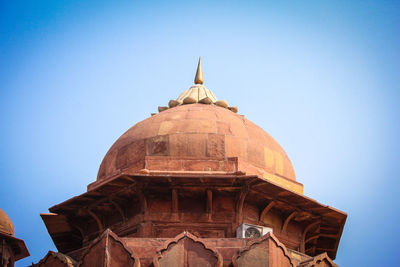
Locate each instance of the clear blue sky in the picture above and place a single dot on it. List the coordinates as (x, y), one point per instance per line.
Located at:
(322, 77)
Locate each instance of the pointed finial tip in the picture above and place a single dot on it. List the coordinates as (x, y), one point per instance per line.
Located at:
(199, 74)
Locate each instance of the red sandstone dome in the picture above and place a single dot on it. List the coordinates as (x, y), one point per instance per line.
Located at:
(6, 226)
(12, 248)
(193, 138)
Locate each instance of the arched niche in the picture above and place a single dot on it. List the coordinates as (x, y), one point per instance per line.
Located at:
(265, 251)
(187, 250)
(108, 250)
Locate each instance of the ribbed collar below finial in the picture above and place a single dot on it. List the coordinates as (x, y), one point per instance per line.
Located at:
(198, 93)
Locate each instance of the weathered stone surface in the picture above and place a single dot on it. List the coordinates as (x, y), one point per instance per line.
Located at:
(157, 146)
(197, 145)
(235, 147)
(197, 126)
(216, 146)
(168, 127)
(255, 154)
(130, 154)
(223, 128)
(269, 159)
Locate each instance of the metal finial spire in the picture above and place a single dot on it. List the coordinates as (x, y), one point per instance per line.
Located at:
(199, 74)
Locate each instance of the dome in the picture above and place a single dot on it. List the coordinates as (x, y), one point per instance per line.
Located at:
(190, 138)
(6, 226)
(198, 133)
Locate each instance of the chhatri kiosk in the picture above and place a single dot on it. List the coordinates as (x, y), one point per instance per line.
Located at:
(12, 249)
(196, 184)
